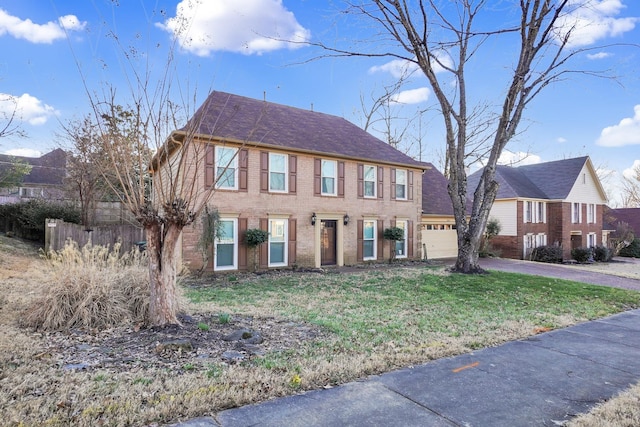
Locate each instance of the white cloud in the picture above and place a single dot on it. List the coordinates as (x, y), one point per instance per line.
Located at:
(630, 173)
(411, 96)
(248, 26)
(594, 20)
(627, 132)
(399, 68)
(599, 55)
(561, 140)
(27, 108)
(23, 152)
(518, 158)
(38, 33)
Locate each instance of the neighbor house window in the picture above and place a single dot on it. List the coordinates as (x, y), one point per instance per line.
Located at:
(329, 177)
(401, 184)
(278, 172)
(528, 211)
(226, 245)
(591, 213)
(369, 240)
(370, 180)
(278, 242)
(576, 213)
(401, 245)
(541, 212)
(591, 240)
(226, 168)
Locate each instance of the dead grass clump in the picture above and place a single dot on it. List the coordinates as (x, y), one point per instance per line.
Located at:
(621, 411)
(91, 287)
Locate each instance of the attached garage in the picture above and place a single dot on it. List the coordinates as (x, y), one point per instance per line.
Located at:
(439, 240)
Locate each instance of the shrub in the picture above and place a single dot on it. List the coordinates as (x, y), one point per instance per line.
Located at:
(582, 254)
(633, 250)
(602, 254)
(552, 254)
(394, 234)
(255, 237)
(91, 287)
(27, 219)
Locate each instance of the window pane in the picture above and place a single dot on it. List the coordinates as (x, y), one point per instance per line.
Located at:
(369, 173)
(401, 177)
(368, 230)
(276, 181)
(328, 186)
(328, 168)
(277, 162)
(224, 254)
(226, 177)
(226, 231)
(400, 192)
(367, 249)
(277, 253)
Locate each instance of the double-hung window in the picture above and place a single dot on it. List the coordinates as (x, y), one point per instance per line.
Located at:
(591, 213)
(369, 240)
(226, 245)
(370, 180)
(226, 168)
(401, 245)
(278, 172)
(329, 177)
(541, 212)
(278, 242)
(528, 211)
(401, 184)
(576, 213)
(591, 240)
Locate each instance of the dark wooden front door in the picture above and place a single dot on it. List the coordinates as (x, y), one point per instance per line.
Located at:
(328, 242)
(576, 241)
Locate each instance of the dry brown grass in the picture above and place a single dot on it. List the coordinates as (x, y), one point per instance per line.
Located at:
(92, 287)
(37, 389)
(621, 411)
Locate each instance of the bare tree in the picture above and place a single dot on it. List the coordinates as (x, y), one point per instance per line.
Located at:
(9, 125)
(436, 36)
(13, 172)
(631, 189)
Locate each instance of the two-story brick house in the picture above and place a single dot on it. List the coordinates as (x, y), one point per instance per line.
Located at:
(323, 188)
(553, 203)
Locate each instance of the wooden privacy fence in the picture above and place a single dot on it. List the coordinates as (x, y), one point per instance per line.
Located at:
(57, 232)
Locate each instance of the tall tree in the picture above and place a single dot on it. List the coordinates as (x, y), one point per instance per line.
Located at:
(631, 189)
(437, 36)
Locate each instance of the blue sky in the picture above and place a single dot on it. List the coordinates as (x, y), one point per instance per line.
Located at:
(49, 47)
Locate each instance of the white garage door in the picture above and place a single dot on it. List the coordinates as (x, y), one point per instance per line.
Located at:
(440, 243)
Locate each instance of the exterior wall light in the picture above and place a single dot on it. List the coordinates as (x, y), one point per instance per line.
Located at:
(313, 218)
(346, 219)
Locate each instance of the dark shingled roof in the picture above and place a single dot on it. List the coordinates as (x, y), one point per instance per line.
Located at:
(612, 217)
(549, 180)
(49, 169)
(233, 117)
(435, 197)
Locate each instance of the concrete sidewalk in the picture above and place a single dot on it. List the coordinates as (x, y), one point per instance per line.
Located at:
(540, 381)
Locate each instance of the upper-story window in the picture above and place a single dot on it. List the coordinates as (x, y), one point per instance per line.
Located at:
(576, 213)
(401, 184)
(370, 181)
(534, 212)
(541, 211)
(528, 211)
(278, 172)
(226, 168)
(591, 213)
(329, 177)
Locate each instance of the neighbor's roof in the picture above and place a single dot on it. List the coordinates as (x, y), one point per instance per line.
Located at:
(49, 169)
(631, 216)
(241, 119)
(550, 180)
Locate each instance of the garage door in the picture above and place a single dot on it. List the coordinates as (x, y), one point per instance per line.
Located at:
(440, 243)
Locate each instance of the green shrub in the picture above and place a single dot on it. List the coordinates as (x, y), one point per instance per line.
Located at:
(582, 254)
(27, 219)
(602, 254)
(255, 237)
(631, 251)
(552, 254)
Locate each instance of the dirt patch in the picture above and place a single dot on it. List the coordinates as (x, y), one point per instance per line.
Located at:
(200, 339)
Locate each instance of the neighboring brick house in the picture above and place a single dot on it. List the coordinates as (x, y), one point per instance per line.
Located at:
(323, 188)
(553, 203)
(613, 217)
(44, 181)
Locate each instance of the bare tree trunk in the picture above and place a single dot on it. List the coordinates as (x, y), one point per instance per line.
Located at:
(161, 247)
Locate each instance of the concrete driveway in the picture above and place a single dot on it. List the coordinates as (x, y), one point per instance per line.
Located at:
(606, 276)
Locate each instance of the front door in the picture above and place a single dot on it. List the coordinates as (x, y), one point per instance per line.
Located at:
(328, 242)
